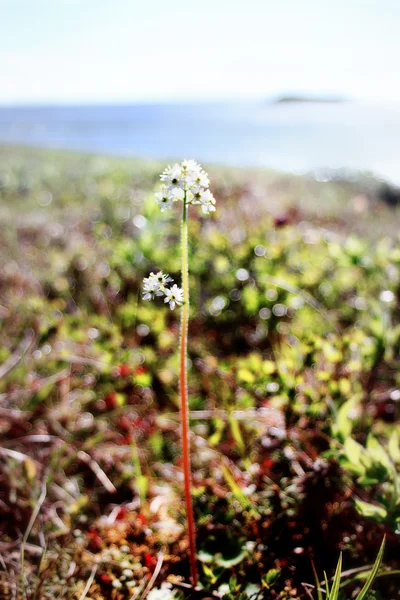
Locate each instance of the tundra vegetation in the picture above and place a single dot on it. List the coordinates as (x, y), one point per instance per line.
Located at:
(293, 380)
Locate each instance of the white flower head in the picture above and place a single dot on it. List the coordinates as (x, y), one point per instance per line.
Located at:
(185, 181)
(154, 285)
(173, 296)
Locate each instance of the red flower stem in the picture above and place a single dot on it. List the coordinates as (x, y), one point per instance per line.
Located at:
(184, 395)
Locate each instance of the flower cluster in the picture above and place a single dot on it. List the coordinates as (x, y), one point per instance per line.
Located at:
(185, 180)
(156, 285)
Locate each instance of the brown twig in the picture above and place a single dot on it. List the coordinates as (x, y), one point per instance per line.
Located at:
(98, 471)
(154, 575)
(81, 360)
(89, 583)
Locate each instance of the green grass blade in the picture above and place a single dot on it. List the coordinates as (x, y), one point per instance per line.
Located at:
(328, 593)
(363, 576)
(39, 571)
(334, 595)
(237, 434)
(235, 488)
(373, 572)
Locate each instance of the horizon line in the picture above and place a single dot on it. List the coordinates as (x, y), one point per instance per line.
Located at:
(274, 98)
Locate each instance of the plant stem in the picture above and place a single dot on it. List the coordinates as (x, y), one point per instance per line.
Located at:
(184, 395)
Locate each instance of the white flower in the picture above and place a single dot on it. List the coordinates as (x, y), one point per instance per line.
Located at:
(190, 165)
(166, 197)
(194, 175)
(148, 294)
(174, 296)
(206, 199)
(172, 177)
(200, 180)
(149, 289)
(154, 285)
(163, 593)
(186, 180)
(207, 208)
(162, 279)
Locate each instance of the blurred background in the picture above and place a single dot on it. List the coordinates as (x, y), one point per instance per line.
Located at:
(296, 86)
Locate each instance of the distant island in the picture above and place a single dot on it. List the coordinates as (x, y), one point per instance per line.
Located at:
(319, 99)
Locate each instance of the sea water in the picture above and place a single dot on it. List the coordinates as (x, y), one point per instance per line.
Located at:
(290, 136)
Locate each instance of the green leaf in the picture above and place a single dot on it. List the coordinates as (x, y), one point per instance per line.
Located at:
(344, 425)
(353, 452)
(373, 573)
(270, 578)
(233, 583)
(209, 573)
(244, 375)
(250, 299)
(367, 481)
(332, 354)
(371, 511)
(378, 454)
(227, 563)
(394, 447)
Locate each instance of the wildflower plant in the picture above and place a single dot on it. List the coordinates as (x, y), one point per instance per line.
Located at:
(185, 183)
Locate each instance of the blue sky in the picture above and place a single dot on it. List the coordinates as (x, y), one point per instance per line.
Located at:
(62, 51)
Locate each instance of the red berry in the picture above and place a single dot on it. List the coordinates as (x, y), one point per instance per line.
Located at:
(282, 562)
(111, 401)
(268, 463)
(125, 440)
(122, 512)
(140, 370)
(142, 519)
(124, 370)
(95, 541)
(149, 561)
